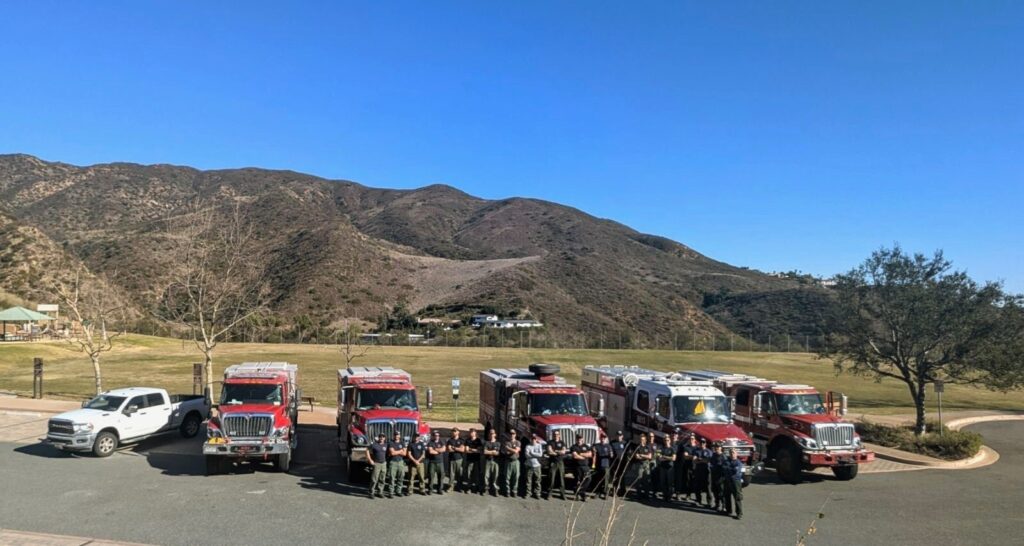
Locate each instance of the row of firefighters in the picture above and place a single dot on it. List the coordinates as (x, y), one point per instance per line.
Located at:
(674, 469)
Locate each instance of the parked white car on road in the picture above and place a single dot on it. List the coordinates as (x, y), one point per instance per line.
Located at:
(124, 416)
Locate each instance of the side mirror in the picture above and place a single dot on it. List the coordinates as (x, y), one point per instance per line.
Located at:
(843, 404)
(131, 409)
(512, 406)
(600, 407)
(732, 405)
(757, 406)
(85, 403)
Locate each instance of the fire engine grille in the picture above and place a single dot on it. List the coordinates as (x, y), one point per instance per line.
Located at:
(407, 429)
(569, 434)
(61, 427)
(834, 435)
(247, 426)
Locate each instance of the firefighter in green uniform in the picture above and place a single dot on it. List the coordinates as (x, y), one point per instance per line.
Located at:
(435, 464)
(456, 447)
(379, 460)
(716, 464)
(666, 455)
(491, 452)
(416, 454)
(396, 465)
(472, 475)
(510, 458)
(556, 463)
(732, 481)
(534, 453)
(643, 461)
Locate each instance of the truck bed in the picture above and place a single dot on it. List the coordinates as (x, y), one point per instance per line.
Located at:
(177, 398)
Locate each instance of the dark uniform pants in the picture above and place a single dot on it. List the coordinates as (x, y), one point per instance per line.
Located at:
(490, 476)
(557, 472)
(456, 474)
(396, 472)
(512, 477)
(605, 481)
(733, 493)
(533, 479)
(699, 483)
(716, 487)
(472, 476)
(644, 477)
(582, 475)
(378, 478)
(435, 476)
(683, 475)
(665, 480)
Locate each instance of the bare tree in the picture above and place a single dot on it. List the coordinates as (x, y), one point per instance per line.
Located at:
(94, 305)
(349, 352)
(214, 280)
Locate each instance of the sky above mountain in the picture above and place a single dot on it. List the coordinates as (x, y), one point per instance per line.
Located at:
(778, 136)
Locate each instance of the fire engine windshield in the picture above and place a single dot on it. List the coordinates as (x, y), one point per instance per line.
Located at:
(235, 394)
(386, 398)
(557, 404)
(799, 404)
(700, 409)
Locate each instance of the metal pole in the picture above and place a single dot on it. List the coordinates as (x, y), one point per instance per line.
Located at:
(940, 411)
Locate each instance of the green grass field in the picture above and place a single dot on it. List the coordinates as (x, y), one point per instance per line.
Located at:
(143, 360)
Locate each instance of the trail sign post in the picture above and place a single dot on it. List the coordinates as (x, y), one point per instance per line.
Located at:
(455, 396)
(197, 377)
(37, 378)
(940, 386)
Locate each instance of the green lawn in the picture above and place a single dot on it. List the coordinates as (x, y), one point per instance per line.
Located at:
(144, 360)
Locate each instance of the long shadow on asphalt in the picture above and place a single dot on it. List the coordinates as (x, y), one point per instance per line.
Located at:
(42, 450)
(769, 477)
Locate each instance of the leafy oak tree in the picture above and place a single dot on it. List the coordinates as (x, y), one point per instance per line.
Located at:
(916, 320)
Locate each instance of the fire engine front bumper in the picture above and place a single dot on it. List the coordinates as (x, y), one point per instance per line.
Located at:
(246, 450)
(815, 459)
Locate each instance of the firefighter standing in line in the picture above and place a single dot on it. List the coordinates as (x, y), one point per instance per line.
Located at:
(534, 452)
(701, 473)
(732, 481)
(473, 476)
(643, 460)
(491, 452)
(379, 460)
(416, 453)
(619, 460)
(456, 448)
(717, 461)
(435, 464)
(396, 465)
(684, 472)
(556, 458)
(666, 458)
(510, 459)
(582, 456)
(604, 455)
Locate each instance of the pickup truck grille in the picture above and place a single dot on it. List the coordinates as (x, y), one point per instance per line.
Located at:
(569, 434)
(61, 427)
(247, 426)
(407, 429)
(834, 435)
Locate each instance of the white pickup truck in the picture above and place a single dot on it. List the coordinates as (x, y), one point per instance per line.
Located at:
(124, 416)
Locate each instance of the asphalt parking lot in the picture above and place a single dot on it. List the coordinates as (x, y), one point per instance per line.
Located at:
(156, 493)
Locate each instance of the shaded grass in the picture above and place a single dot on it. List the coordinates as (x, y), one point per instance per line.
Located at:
(145, 360)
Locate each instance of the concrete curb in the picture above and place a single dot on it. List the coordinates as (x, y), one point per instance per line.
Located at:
(984, 457)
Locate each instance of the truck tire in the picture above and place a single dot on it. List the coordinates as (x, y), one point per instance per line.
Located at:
(283, 461)
(544, 369)
(214, 465)
(105, 444)
(787, 464)
(746, 480)
(190, 426)
(845, 473)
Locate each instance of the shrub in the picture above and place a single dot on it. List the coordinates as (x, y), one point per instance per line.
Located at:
(949, 445)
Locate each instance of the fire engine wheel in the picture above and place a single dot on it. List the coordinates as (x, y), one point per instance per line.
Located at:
(845, 473)
(214, 465)
(105, 445)
(787, 464)
(190, 426)
(283, 462)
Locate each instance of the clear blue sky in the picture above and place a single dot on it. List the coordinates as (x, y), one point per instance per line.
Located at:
(772, 135)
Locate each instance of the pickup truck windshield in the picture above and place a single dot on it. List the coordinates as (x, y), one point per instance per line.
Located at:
(386, 398)
(557, 404)
(234, 394)
(105, 403)
(700, 409)
(799, 404)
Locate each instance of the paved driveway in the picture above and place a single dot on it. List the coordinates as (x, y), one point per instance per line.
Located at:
(156, 493)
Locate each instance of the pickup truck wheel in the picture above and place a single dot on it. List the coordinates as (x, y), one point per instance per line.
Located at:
(283, 462)
(845, 473)
(105, 445)
(190, 426)
(214, 465)
(787, 464)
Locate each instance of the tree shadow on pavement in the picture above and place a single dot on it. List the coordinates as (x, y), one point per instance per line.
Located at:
(769, 477)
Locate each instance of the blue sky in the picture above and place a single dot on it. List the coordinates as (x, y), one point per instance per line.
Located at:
(767, 134)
